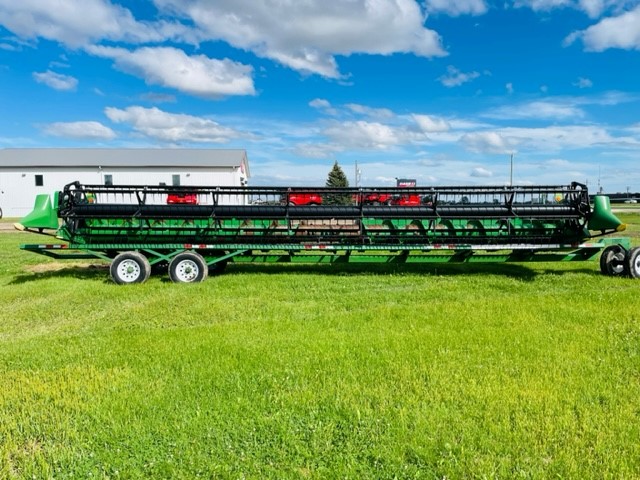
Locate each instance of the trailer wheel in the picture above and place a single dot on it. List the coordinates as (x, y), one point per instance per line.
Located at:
(633, 262)
(612, 261)
(130, 267)
(188, 267)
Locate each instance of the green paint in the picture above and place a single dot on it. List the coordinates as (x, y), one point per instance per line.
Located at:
(44, 214)
(602, 218)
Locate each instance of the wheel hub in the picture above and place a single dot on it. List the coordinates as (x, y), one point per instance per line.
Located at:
(129, 271)
(187, 271)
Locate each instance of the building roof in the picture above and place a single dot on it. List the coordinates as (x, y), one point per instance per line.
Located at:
(123, 157)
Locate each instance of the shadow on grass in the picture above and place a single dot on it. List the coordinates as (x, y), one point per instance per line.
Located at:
(510, 270)
(92, 272)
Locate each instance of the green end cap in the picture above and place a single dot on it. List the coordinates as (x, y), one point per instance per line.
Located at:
(44, 214)
(602, 218)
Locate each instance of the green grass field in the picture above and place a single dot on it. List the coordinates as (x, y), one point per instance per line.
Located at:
(321, 371)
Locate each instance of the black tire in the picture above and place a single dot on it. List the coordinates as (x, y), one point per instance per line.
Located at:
(188, 267)
(130, 267)
(0, 213)
(633, 262)
(612, 261)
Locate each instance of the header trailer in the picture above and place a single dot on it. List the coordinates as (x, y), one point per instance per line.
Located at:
(155, 225)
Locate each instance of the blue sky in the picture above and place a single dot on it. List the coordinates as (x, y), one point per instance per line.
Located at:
(444, 91)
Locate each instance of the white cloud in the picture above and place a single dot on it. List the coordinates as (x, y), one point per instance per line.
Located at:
(169, 67)
(635, 128)
(455, 78)
(154, 97)
(611, 98)
(464, 124)
(363, 135)
(430, 124)
(56, 81)
(80, 130)
(481, 172)
(593, 8)
(557, 163)
(56, 64)
(540, 109)
(369, 111)
(350, 109)
(316, 150)
(405, 132)
(457, 7)
(366, 135)
(545, 139)
(543, 5)
(583, 83)
(320, 103)
(315, 31)
(622, 31)
(77, 23)
(509, 87)
(171, 127)
(487, 142)
(324, 106)
(563, 108)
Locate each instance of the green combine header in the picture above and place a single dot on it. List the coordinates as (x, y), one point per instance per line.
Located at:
(189, 231)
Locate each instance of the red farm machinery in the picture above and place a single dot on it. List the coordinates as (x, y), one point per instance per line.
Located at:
(139, 232)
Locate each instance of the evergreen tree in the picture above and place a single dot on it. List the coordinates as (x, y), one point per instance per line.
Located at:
(337, 179)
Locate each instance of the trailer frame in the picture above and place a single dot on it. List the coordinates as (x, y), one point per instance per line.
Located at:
(216, 256)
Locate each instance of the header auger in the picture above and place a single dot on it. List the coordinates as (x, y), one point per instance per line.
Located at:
(195, 229)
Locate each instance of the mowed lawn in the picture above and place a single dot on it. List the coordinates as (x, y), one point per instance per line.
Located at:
(320, 371)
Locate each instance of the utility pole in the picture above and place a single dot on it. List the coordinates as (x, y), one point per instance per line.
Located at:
(357, 174)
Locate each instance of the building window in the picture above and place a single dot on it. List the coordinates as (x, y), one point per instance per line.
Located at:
(108, 179)
(175, 180)
(39, 180)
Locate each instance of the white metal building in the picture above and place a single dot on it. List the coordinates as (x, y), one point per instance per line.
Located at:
(26, 172)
